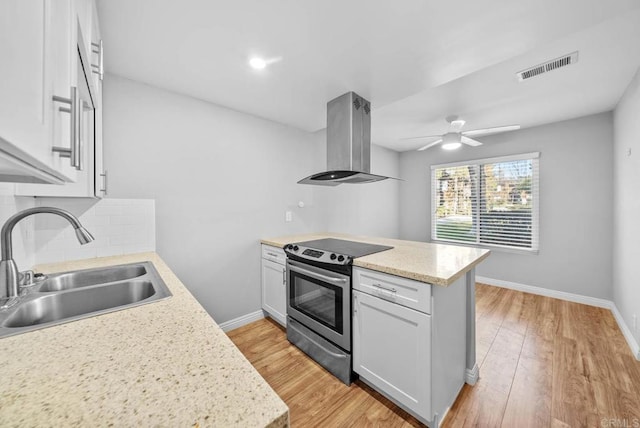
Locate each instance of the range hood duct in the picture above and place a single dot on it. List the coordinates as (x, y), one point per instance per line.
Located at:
(348, 143)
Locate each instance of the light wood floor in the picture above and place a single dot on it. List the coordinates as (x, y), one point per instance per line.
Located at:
(543, 362)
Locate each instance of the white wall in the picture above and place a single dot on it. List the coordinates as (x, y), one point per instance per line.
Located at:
(626, 190)
(575, 207)
(221, 180)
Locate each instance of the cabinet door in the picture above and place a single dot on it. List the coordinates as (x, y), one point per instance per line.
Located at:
(97, 71)
(24, 119)
(85, 185)
(392, 351)
(274, 287)
(34, 46)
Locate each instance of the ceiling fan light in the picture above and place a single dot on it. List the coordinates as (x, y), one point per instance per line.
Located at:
(451, 146)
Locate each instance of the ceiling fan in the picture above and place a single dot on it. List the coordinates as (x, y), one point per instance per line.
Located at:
(455, 137)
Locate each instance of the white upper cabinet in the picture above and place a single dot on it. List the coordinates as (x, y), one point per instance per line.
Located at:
(35, 37)
(76, 117)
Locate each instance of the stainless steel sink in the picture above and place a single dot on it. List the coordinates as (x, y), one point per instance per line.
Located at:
(85, 278)
(71, 296)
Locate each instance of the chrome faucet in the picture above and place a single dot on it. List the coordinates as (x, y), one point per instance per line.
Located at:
(9, 275)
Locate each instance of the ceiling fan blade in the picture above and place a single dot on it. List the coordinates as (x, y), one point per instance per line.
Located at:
(489, 131)
(430, 145)
(470, 141)
(456, 125)
(422, 137)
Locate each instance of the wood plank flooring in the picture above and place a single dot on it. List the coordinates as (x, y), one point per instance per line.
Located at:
(543, 363)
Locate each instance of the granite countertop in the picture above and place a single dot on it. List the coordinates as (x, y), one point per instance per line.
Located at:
(438, 264)
(162, 364)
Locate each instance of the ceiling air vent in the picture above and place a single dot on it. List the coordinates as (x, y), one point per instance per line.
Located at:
(548, 66)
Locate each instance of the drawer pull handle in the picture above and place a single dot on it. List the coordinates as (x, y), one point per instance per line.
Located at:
(391, 290)
(386, 293)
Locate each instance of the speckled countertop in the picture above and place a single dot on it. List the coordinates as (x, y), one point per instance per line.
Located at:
(422, 261)
(162, 364)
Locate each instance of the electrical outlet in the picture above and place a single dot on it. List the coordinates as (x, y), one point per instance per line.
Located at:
(288, 216)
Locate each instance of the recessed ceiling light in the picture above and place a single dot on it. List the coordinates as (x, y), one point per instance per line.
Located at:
(257, 63)
(451, 146)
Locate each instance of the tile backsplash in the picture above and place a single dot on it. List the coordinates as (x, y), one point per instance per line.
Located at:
(23, 236)
(119, 226)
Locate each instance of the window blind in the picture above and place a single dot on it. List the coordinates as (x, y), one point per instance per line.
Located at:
(488, 202)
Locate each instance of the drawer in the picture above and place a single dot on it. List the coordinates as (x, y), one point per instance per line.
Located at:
(274, 254)
(402, 291)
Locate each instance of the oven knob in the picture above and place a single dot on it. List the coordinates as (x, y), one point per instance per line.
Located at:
(333, 256)
(340, 258)
(295, 248)
(289, 247)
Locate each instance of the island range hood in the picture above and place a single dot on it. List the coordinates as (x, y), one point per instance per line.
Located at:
(348, 143)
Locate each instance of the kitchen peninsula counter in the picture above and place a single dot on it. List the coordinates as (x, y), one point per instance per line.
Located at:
(437, 264)
(166, 363)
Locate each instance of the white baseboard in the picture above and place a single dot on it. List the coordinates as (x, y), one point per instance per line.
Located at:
(240, 321)
(626, 332)
(471, 376)
(532, 289)
(577, 298)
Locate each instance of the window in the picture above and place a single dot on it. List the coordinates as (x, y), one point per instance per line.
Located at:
(488, 202)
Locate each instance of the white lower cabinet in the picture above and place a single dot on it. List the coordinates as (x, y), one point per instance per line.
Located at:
(409, 341)
(274, 283)
(392, 350)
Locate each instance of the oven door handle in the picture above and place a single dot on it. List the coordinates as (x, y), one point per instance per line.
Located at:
(297, 268)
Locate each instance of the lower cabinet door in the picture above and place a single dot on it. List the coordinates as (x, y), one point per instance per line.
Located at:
(392, 351)
(274, 287)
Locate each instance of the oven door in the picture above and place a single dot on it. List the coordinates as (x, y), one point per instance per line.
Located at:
(321, 300)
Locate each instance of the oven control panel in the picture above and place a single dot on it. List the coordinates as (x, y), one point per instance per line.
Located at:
(318, 255)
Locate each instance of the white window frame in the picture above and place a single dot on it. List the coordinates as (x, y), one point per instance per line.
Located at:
(535, 211)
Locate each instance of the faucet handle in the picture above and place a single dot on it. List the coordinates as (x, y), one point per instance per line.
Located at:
(25, 278)
(27, 281)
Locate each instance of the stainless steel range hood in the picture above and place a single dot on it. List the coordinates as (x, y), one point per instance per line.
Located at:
(348, 143)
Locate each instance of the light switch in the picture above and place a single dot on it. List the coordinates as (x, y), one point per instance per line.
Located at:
(288, 216)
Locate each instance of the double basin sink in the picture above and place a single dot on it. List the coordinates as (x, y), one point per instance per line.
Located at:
(70, 296)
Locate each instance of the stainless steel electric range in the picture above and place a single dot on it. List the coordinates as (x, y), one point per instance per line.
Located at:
(319, 300)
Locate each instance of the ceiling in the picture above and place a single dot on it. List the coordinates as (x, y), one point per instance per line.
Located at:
(417, 61)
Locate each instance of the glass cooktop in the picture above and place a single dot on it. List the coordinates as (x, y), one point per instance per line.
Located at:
(348, 248)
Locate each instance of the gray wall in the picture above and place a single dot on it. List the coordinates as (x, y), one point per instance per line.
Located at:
(364, 209)
(575, 203)
(626, 189)
(222, 180)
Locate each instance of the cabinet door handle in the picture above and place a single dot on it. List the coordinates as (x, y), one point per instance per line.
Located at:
(74, 110)
(104, 182)
(80, 137)
(284, 276)
(98, 68)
